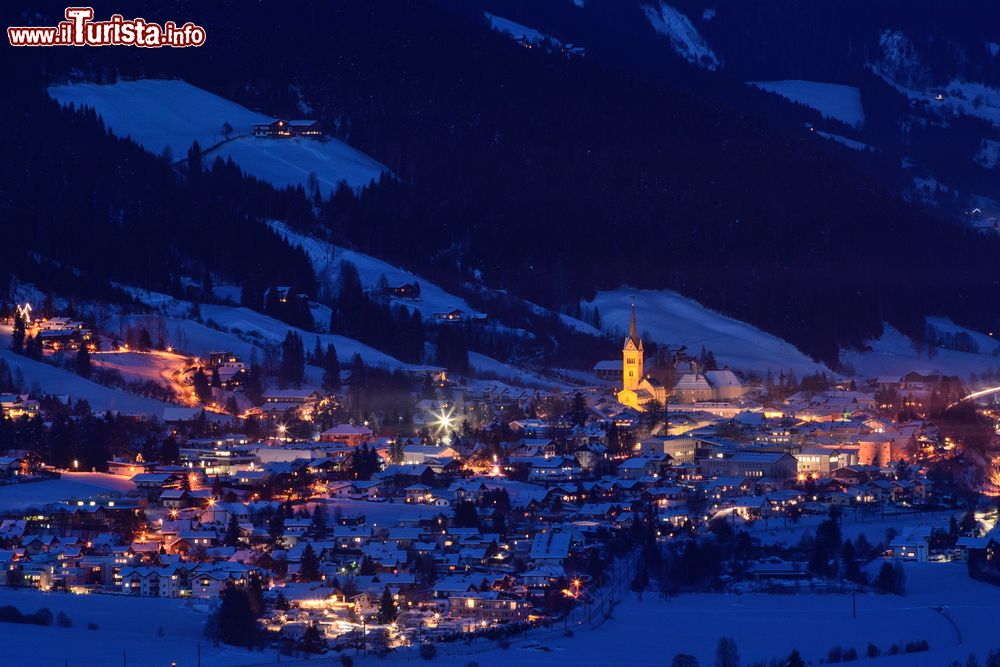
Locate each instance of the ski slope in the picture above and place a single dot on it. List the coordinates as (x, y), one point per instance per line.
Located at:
(833, 100)
(164, 114)
(326, 259)
(671, 319)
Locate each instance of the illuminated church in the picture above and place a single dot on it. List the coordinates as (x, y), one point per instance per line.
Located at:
(639, 390)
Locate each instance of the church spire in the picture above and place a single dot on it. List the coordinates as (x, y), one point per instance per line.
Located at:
(633, 334)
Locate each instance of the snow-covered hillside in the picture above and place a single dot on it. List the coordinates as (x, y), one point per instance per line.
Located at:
(895, 354)
(492, 368)
(326, 259)
(519, 32)
(853, 144)
(267, 329)
(70, 485)
(161, 114)
(60, 382)
(684, 38)
(671, 319)
(241, 330)
(833, 100)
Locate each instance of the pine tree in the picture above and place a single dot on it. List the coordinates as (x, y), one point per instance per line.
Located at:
(331, 369)
(17, 336)
(309, 566)
(236, 623)
(396, 454)
(726, 654)
(292, 369)
(386, 608)
(83, 362)
(319, 521)
(202, 388)
(312, 640)
(232, 537)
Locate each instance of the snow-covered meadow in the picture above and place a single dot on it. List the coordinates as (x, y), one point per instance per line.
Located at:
(833, 100)
(170, 114)
(60, 382)
(671, 319)
(69, 485)
(326, 259)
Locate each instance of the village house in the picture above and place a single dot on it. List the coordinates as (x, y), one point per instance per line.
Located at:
(281, 128)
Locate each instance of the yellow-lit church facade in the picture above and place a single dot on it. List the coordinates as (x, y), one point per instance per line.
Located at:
(638, 390)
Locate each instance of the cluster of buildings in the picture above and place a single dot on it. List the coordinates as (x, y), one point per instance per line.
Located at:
(509, 525)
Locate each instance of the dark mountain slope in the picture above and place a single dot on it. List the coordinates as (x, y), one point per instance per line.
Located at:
(556, 176)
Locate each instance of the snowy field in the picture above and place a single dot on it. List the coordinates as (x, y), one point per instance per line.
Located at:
(520, 377)
(518, 31)
(326, 259)
(70, 485)
(684, 38)
(241, 330)
(158, 367)
(250, 323)
(160, 114)
(953, 613)
(833, 100)
(674, 320)
(127, 633)
(284, 162)
(853, 144)
(894, 354)
(195, 338)
(61, 382)
(642, 632)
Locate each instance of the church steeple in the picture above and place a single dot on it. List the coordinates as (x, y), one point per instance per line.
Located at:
(633, 335)
(632, 357)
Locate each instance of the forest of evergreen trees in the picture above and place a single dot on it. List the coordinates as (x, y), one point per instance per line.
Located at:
(550, 177)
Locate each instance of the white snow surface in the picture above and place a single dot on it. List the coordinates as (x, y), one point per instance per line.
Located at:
(241, 330)
(127, 632)
(894, 354)
(60, 382)
(853, 144)
(833, 100)
(671, 319)
(257, 326)
(518, 376)
(684, 38)
(72, 485)
(521, 33)
(162, 113)
(326, 259)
